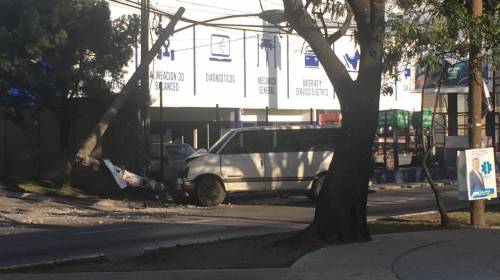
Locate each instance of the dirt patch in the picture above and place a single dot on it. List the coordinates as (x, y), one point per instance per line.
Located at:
(41, 187)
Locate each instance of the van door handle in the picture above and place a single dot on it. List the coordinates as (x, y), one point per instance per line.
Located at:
(261, 163)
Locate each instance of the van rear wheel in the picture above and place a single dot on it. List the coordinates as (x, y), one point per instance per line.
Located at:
(210, 192)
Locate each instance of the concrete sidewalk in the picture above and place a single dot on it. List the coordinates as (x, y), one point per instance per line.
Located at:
(447, 254)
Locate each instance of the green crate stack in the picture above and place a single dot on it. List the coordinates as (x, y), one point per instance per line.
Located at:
(395, 119)
(416, 119)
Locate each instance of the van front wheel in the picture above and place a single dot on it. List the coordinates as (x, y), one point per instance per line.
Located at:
(210, 192)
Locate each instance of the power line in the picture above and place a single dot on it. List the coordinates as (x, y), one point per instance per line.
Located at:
(242, 27)
(198, 10)
(132, 4)
(211, 6)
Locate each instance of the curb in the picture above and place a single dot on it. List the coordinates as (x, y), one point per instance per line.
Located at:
(69, 260)
(408, 185)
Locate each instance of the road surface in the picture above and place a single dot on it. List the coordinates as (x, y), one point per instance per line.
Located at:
(62, 230)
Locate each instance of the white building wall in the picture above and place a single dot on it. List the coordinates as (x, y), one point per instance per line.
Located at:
(203, 66)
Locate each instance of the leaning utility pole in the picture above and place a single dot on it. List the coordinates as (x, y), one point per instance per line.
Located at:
(84, 156)
(477, 215)
(143, 110)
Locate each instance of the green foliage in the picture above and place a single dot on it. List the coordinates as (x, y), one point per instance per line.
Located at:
(437, 32)
(55, 50)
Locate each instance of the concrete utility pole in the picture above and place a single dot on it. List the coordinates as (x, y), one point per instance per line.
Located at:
(143, 112)
(477, 216)
(84, 156)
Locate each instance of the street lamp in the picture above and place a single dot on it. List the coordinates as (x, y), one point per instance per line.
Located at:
(275, 16)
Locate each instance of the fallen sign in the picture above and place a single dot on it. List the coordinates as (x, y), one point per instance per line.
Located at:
(124, 178)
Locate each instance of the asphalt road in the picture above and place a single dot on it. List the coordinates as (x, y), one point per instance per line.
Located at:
(242, 215)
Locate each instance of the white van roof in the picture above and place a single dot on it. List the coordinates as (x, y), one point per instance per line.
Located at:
(284, 127)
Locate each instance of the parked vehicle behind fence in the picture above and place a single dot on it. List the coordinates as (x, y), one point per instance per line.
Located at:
(173, 161)
(284, 158)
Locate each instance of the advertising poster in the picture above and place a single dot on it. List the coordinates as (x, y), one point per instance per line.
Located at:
(479, 172)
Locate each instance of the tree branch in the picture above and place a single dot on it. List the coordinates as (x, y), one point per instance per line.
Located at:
(308, 2)
(343, 29)
(305, 26)
(370, 22)
(321, 15)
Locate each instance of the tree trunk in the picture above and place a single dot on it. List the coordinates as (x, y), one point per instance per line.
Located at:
(341, 207)
(443, 213)
(477, 215)
(67, 154)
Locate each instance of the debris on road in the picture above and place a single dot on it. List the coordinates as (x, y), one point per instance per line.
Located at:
(124, 178)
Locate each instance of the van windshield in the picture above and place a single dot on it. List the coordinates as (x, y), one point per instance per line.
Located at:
(218, 145)
(172, 151)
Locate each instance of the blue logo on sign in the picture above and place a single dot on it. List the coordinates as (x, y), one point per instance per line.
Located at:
(165, 52)
(352, 60)
(268, 44)
(486, 167)
(310, 59)
(407, 73)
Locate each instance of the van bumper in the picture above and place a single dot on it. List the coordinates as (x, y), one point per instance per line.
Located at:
(184, 185)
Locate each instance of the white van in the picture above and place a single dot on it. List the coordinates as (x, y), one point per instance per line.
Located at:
(283, 158)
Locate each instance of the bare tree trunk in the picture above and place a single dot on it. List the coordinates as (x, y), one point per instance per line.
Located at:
(341, 207)
(83, 155)
(477, 216)
(443, 214)
(67, 154)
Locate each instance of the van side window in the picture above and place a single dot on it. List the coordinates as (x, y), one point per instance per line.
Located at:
(303, 140)
(248, 142)
(320, 140)
(287, 141)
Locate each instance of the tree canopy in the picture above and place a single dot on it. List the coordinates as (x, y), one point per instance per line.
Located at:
(436, 33)
(55, 50)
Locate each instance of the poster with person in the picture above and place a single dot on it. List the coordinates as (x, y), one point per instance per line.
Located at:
(479, 174)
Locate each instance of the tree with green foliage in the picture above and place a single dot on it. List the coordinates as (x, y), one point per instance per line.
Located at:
(426, 30)
(439, 34)
(56, 51)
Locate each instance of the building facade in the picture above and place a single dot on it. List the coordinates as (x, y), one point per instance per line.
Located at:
(241, 71)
